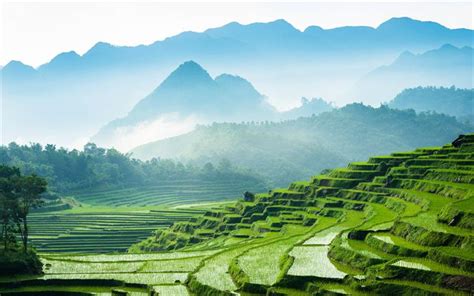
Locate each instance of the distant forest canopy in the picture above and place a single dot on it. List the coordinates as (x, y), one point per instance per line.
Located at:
(448, 100)
(297, 149)
(261, 152)
(95, 167)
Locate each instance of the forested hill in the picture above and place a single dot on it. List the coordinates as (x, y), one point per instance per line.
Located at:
(452, 101)
(300, 148)
(95, 168)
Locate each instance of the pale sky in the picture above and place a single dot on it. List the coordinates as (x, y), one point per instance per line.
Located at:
(34, 32)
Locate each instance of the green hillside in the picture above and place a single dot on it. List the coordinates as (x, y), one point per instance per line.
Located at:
(402, 221)
(452, 101)
(297, 149)
(399, 224)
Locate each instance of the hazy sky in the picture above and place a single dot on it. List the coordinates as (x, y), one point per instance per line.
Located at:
(34, 32)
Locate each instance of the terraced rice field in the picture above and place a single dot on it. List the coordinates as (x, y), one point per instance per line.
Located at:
(313, 261)
(100, 274)
(100, 230)
(169, 193)
(113, 220)
(388, 213)
(400, 224)
(265, 270)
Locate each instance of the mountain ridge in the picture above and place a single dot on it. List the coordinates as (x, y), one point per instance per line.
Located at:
(113, 79)
(189, 91)
(231, 27)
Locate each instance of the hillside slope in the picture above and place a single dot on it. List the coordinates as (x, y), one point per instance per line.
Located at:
(297, 149)
(452, 101)
(399, 224)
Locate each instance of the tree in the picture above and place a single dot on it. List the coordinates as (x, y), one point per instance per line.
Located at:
(28, 190)
(8, 175)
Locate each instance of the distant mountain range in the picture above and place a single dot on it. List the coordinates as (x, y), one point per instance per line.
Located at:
(81, 93)
(300, 148)
(445, 66)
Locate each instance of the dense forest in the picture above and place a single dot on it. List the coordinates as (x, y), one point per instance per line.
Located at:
(94, 167)
(297, 149)
(452, 101)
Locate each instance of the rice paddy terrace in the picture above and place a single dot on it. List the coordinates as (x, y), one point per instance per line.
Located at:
(113, 220)
(400, 224)
(100, 230)
(168, 193)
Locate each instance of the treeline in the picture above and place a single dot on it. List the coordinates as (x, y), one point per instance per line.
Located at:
(93, 167)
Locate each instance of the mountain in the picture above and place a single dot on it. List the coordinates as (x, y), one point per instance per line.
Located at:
(445, 66)
(299, 148)
(188, 96)
(452, 101)
(84, 92)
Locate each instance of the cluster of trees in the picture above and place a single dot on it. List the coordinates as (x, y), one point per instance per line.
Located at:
(18, 195)
(94, 167)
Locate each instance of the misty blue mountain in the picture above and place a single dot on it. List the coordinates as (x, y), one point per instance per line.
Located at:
(275, 57)
(189, 92)
(445, 66)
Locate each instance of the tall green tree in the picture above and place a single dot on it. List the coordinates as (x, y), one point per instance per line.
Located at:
(28, 195)
(8, 177)
(18, 195)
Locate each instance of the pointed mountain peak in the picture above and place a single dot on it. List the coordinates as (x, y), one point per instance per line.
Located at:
(62, 60)
(99, 48)
(190, 68)
(188, 73)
